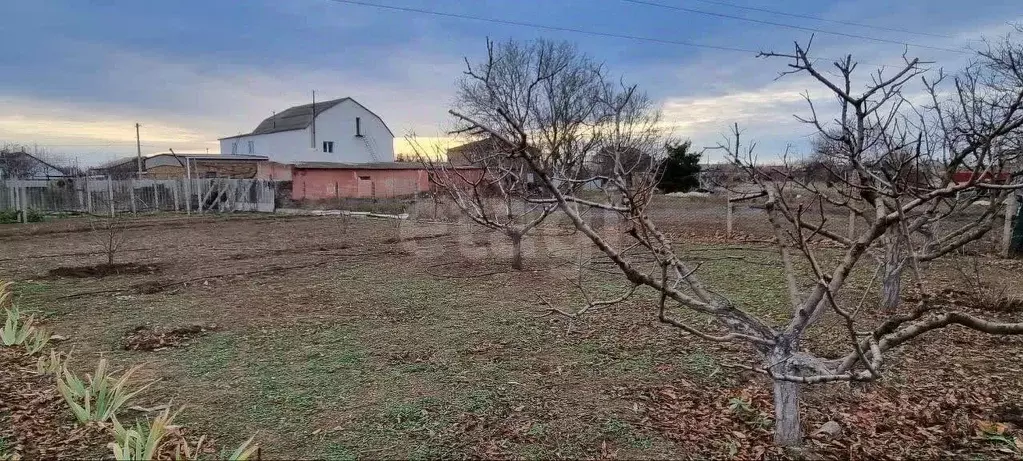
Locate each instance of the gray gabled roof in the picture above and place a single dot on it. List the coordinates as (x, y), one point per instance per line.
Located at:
(300, 117)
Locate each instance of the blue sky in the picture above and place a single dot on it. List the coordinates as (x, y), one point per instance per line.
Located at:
(76, 75)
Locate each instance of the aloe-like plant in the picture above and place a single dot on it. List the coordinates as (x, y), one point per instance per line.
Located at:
(16, 330)
(53, 363)
(36, 341)
(100, 395)
(244, 452)
(5, 292)
(184, 451)
(143, 441)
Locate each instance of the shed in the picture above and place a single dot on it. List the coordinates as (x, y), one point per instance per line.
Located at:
(326, 180)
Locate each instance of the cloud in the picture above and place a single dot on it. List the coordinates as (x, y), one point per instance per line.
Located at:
(192, 103)
(191, 99)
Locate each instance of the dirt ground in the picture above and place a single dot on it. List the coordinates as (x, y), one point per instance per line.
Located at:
(369, 339)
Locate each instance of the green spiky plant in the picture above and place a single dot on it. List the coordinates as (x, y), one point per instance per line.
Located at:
(36, 341)
(53, 363)
(244, 452)
(100, 395)
(17, 330)
(143, 441)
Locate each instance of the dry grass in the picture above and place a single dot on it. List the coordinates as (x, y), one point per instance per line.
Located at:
(349, 347)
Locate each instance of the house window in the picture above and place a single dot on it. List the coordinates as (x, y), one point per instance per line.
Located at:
(252, 147)
(358, 127)
(234, 147)
(328, 147)
(364, 178)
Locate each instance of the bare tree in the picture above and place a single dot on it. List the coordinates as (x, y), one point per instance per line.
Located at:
(491, 189)
(108, 233)
(21, 162)
(547, 97)
(891, 150)
(650, 261)
(15, 162)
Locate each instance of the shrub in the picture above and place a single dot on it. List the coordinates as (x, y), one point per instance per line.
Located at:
(11, 216)
(100, 395)
(34, 215)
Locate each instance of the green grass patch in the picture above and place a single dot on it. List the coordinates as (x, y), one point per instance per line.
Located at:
(623, 432)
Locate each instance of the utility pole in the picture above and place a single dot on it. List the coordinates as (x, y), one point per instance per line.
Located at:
(138, 148)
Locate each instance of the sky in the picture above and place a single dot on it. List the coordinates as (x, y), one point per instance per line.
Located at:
(75, 76)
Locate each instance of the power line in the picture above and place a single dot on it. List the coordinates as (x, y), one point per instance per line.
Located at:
(833, 21)
(790, 26)
(542, 26)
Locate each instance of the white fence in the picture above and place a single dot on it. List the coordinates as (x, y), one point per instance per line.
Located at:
(99, 195)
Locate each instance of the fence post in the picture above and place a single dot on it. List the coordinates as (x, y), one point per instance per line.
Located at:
(110, 195)
(17, 200)
(198, 190)
(177, 203)
(88, 196)
(24, 205)
(728, 218)
(80, 198)
(1010, 209)
(156, 195)
(131, 192)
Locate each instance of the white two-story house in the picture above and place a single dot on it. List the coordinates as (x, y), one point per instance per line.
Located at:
(340, 130)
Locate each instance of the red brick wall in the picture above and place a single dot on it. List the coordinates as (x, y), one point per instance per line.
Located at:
(311, 184)
(274, 171)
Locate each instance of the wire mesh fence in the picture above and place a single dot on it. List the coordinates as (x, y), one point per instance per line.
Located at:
(102, 195)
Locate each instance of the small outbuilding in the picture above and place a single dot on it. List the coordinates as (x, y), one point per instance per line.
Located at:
(177, 166)
(326, 180)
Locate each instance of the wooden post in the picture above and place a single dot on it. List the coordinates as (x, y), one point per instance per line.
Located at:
(131, 192)
(1010, 209)
(110, 195)
(728, 218)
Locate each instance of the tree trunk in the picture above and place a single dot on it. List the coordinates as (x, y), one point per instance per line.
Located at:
(891, 281)
(788, 431)
(516, 239)
(891, 288)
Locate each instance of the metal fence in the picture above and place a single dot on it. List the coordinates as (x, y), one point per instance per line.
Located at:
(102, 195)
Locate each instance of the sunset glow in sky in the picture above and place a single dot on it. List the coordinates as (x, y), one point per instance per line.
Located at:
(83, 73)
